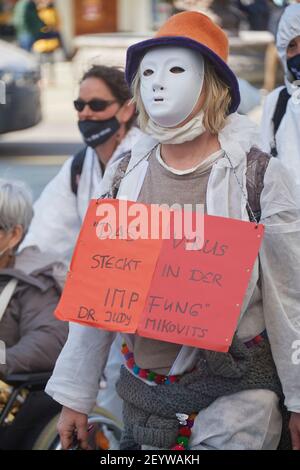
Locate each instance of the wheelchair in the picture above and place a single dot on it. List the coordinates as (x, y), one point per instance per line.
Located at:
(40, 433)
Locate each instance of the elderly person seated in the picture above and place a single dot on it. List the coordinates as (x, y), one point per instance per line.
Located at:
(29, 293)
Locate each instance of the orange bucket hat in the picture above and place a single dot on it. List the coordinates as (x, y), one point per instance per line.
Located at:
(196, 31)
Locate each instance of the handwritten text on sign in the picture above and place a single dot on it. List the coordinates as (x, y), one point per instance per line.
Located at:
(195, 297)
(159, 288)
(109, 279)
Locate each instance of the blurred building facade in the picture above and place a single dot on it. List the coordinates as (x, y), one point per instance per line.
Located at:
(108, 16)
(79, 17)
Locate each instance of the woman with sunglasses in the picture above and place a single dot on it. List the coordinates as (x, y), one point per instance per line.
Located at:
(106, 120)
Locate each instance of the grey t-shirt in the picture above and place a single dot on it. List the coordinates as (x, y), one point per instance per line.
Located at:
(164, 185)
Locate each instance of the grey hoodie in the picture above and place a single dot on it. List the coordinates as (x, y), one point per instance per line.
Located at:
(32, 335)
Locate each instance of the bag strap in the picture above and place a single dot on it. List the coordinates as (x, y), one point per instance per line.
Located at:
(6, 295)
(120, 173)
(280, 110)
(257, 164)
(76, 169)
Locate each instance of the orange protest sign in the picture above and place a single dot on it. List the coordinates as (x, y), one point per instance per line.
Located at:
(109, 278)
(195, 297)
(125, 277)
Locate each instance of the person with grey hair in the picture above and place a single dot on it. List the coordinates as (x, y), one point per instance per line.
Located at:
(15, 216)
(29, 293)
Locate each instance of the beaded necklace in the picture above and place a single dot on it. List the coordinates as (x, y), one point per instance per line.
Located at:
(186, 422)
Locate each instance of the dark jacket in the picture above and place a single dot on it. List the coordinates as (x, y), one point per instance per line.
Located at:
(26, 18)
(32, 335)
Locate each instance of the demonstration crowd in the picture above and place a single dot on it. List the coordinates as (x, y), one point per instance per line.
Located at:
(167, 131)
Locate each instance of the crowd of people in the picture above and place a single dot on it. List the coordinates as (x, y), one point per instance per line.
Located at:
(170, 121)
(256, 15)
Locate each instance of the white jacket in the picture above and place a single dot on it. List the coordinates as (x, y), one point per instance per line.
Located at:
(288, 134)
(58, 215)
(74, 382)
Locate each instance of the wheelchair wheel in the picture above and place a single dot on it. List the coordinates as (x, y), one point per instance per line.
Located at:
(48, 439)
(105, 435)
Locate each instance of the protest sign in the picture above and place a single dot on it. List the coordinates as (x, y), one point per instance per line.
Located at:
(109, 278)
(161, 288)
(195, 297)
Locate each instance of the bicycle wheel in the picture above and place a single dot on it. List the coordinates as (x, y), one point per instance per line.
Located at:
(105, 435)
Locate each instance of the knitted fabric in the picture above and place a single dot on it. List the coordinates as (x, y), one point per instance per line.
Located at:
(150, 411)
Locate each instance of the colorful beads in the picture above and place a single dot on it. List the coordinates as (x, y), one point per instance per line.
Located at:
(183, 441)
(185, 429)
(145, 373)
(172, 378)
(184, 433)
(125, 349)
(160, 379)
(130, 363)
(151, 376)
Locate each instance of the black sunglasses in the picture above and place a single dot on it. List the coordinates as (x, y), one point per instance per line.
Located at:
(95, 104)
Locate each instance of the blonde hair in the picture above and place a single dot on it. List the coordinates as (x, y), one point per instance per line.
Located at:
(215, 107)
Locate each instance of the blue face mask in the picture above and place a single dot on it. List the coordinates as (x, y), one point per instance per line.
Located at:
(294, 66)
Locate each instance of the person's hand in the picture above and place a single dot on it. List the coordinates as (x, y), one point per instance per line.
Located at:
(294, 427)
(72, 424)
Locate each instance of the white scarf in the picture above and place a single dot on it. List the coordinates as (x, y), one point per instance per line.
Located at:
(177, 135)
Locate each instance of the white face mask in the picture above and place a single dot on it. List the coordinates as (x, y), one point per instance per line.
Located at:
(171, 84)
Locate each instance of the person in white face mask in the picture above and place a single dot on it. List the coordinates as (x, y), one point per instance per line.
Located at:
(164, 71)
(199, 150)
(280, 124)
